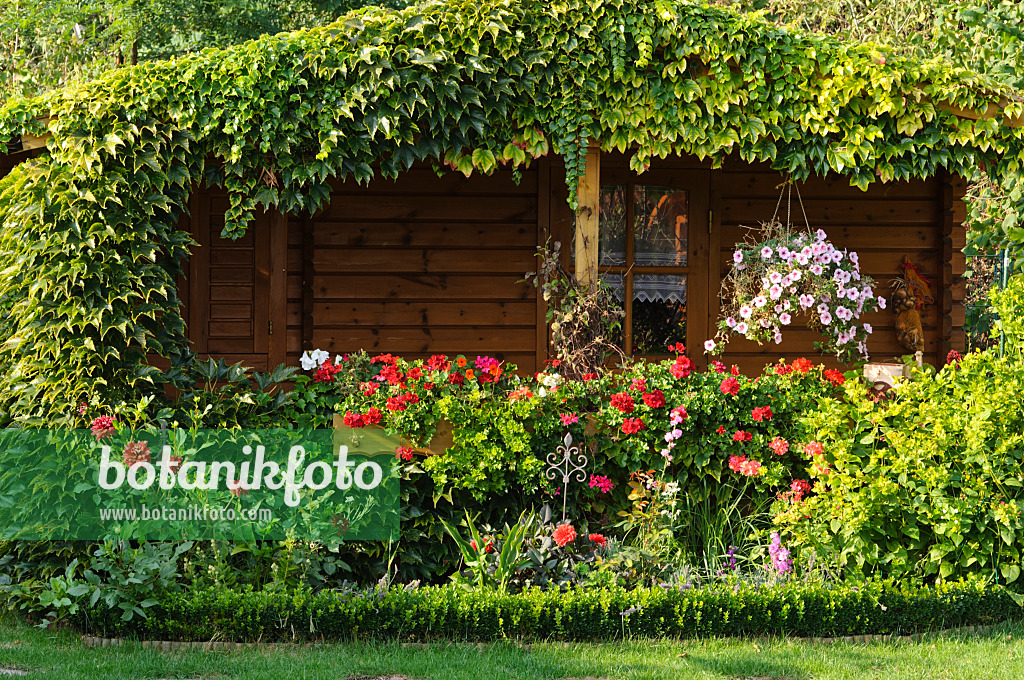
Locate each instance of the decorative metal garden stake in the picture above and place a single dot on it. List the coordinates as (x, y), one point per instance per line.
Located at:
(568, 461)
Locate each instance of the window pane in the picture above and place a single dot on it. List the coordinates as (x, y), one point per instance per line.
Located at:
(660, 231)
(659, 312)
(612, 225)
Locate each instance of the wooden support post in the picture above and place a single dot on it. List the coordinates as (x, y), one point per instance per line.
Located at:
(588, 197)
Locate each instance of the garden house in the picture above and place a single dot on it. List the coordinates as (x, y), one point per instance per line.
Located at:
(384, 183)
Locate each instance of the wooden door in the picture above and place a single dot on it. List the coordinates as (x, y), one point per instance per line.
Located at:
(237, 287)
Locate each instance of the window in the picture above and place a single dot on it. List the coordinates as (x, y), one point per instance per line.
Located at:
(653, 252)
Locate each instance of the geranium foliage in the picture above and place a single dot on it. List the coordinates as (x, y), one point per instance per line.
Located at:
(90, 228)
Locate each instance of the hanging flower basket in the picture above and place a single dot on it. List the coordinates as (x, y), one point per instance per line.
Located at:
(784, 274)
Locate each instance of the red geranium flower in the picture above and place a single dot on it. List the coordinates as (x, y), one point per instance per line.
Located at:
(762, 413)
(721, 429)
(638, 384)
(779, 445)
(457, 379)
(814, 448)
(598, 539)
(632, 425)
(730, 386)
(655, 399)
(396, 404)
(623, 402)
(834, 376)
(373, 416)
(403, 453)
(589, 376)
(742, 436)
(802, 365)
(681, 368)
(564, 533)
(353, 419)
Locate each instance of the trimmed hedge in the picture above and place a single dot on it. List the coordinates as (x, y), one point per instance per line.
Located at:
(449, 613)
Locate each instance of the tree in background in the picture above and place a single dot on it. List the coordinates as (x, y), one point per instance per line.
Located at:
(46, 44)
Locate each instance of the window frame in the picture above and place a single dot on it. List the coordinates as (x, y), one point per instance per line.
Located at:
(697, 185)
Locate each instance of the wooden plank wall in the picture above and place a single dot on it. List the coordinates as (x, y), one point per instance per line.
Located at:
(418, 266)
(882, 224)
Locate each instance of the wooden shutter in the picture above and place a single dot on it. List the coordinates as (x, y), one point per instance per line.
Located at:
(237, 287)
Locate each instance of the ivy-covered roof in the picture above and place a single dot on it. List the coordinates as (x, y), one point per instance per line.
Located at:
(465, 83)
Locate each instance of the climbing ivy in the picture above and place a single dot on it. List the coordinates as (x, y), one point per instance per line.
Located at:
(90, 229)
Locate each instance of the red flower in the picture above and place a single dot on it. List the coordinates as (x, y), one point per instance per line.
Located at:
(814, 448)
(396, 404)
(136, 453)
(748, 468)
(802, 365)
(718, 366)
(384, 359)
(638, 384)
(569, 419)
(457, 379)
(403, 453)
(655, 399)
(742, 436)
(373, 416)
(589, 376)
(721, 429)
(353, 419)
(730, 386)
(564, 533)
(438, 362)
(678, 348)
(598, 539)
(623, 402)
(103, 427)
(800, 487)
(681, 368)
(521, 393)
(762, 413)
(391, 374)
(414, 373)
(833, 376)
(779, 445)
(954, 357)
(369, 388)
(326, 372)
(488, 547)
(632, 425)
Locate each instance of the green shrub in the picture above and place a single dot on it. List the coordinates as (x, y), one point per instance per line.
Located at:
(451, 613)
(925, 484)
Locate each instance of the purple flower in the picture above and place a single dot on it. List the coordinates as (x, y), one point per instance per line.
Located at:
(781, 560)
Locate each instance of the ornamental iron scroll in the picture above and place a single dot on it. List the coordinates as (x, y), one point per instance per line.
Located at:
(569, 462)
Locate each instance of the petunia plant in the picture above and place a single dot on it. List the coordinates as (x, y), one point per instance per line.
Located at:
(785, 274)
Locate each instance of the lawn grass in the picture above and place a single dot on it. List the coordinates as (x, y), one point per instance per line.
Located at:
(998, 654)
